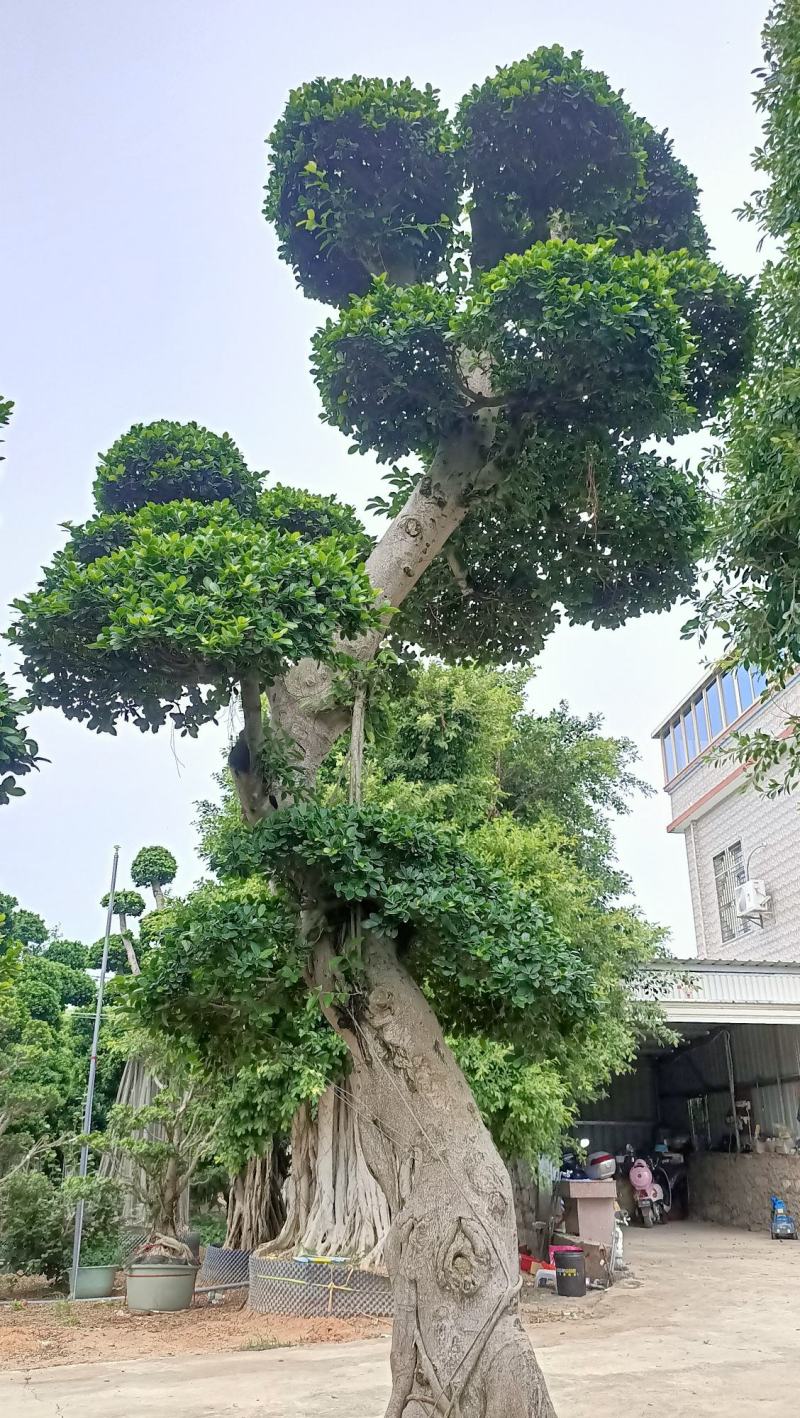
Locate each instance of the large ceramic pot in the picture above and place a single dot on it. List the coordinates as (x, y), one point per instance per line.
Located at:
(160, 1287)
(94, 1282)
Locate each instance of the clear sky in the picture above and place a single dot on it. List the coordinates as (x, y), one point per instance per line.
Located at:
(140, 281)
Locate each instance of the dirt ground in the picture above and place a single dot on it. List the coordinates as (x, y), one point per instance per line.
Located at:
(708, 1322)
(36, 1336)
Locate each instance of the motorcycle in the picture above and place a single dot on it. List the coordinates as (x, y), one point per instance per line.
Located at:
(648, 1193)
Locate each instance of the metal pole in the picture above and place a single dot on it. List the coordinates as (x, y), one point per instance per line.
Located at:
(732, 1086)
(87, 1112)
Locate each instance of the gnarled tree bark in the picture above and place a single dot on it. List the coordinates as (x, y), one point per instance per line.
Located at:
(256, 1209)
(334, 1205)
(458, 1346)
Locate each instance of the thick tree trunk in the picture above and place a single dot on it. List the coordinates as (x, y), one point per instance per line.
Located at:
(458, 1346)
(334, 1205)
(256, 1209)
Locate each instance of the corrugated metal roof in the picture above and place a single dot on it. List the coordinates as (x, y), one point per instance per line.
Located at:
(724, 992)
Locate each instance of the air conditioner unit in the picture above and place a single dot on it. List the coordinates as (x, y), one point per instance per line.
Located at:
(752, 898)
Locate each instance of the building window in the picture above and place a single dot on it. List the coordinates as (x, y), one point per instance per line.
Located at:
(729, 872)
(745, 688)
(669, 756)
(714, 708)
(729, 698)
(700, 720)
(680, 748)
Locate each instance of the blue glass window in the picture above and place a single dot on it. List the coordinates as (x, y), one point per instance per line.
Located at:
(759, 682)
(680, 748)
(729, 698)
(714, 709)
(669, 756)
(691, 738)
(745, 687)
(701, 721)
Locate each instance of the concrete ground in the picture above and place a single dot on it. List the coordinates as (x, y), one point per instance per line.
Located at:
(709, 1323)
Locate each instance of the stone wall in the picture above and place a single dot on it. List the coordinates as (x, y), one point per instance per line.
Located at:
(735, 1190)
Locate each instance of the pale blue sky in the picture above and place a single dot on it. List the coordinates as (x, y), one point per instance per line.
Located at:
(140, 281)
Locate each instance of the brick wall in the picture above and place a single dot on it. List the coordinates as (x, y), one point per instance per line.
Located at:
(735, 1190)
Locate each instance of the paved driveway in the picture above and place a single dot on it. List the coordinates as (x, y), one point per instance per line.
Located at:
(710, 1325)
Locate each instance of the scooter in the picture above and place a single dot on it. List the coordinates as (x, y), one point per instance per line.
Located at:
(649, 1194)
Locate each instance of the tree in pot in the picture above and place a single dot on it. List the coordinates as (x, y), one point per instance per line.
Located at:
(102, 1243)
(167, 1140)
(527, 368)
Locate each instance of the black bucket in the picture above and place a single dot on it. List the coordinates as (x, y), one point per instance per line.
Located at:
(570, 1266)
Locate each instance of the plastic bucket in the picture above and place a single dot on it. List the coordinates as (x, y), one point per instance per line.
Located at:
(570, 1265)
(159, 1288)
(94, 1282)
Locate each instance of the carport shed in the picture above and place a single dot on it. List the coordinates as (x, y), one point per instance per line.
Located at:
(740, 1043)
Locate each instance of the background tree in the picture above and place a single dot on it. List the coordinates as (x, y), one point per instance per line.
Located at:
(46, 1005)
(18, 751)
(526, 367)
(753, 597)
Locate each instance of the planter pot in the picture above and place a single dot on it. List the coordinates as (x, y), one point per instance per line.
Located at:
(150, 1286)
(94, 1282)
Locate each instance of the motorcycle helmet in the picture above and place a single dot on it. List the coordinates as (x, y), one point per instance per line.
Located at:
(601, 1166)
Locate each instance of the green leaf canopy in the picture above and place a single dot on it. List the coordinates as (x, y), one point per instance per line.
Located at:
(157, 612)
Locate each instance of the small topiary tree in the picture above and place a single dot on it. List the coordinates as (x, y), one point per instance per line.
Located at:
(126, 903)
(154, 867)
(526, 360)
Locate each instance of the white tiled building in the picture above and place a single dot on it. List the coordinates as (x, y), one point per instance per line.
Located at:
(733, 833)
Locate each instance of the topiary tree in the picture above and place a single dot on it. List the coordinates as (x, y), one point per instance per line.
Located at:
(154, 867)
(525, 364)
(126, 903)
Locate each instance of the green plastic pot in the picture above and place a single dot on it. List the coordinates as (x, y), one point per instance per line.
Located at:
(95, 1282)
(153, 1287)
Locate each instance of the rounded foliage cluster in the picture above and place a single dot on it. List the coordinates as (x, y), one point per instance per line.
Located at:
(663, 212)
(364, 178)
(117, 954)
(568, 334)
(153, 866)
(386, 369)
(126, 903)
(158, 612)
(169, 462)
(68, 952)
(589, 532)
(546, 143)
(580, 335)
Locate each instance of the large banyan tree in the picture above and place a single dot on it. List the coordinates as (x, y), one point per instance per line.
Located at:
(523, 302)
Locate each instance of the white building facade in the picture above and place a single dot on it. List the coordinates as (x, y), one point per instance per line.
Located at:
(734, 834)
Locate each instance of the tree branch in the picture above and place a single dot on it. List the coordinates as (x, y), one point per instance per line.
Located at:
(301, 703)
